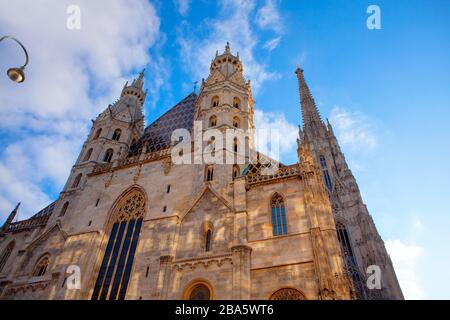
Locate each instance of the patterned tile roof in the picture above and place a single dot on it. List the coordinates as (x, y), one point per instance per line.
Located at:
(158, 134)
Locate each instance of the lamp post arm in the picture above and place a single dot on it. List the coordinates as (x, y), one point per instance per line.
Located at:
(20, 44)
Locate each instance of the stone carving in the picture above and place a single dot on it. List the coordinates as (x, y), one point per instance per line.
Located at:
(287, 294)
(131, 206)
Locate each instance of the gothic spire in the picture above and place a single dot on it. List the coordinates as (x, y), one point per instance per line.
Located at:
(309, 110)
(10, 219)
(139, 82)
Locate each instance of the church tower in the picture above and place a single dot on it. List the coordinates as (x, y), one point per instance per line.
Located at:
(361, 244)
(112, 133)
(225, 110)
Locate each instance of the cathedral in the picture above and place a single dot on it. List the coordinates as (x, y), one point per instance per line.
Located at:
(156, 213)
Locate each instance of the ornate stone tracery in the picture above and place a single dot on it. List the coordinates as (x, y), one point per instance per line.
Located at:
(287, 294)
(131, 206)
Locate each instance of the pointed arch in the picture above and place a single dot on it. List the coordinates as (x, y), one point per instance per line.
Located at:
(278, 215)
(108, 155)
(76, 181)
(236, 102)
(326, 174)
(212, 121)
(215, 101)
(97, 133)
(41, 266)
(116, 134)
(349, 258)
(236, 122)
(125, 224)
(88, 155)
(64, 209)
(6, 254)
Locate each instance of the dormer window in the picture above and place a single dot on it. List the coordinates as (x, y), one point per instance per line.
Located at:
(215, 101)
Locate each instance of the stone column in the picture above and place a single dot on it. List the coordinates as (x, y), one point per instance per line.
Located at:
(165, 263)
(241, 272)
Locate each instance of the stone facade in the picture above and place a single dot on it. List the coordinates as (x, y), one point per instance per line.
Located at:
(140, 226)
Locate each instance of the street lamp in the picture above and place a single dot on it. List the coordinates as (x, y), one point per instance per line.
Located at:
(17, 74)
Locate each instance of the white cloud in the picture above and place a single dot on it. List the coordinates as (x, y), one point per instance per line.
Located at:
(353, 129)
(234, 24)
(272, 43)
(268, 16)
(404, 258)
(267, 123)
(71, 77)
(182, 6)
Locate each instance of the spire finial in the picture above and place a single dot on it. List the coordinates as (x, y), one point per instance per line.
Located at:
(227, 48)
(10, 219)
(308, 106)
(139, 82)
(195, 86)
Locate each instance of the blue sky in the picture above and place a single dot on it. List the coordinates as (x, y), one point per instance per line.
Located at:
(386, 92)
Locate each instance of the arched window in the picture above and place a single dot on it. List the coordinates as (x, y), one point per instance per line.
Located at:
(287, 294)
(116, 134)
(344, 238)
(213, 121)
(215, 101)
(211, 147)
(115, 269)
(199, 292)
(88, 155)
(97, 134)
(236, 102)
(64, 209)
(5, 255)
(349, 259)
(235, 171)
(278, 215)
(235, 145)
(108, 155)
(326, 174)
(77, 180)
(209, 173)
(41, 267)
(236, 122)
(208, 240)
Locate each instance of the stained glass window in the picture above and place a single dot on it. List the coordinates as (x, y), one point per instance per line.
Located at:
(208, 240)
(278, 215)
(326, 174)
(350, 260)
(200, 292)
(41, 267)
(115, 269)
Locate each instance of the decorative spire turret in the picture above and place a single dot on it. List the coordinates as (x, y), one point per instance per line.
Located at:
(139, 82)
(10, 219)
(136, 88)
(309, 110)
